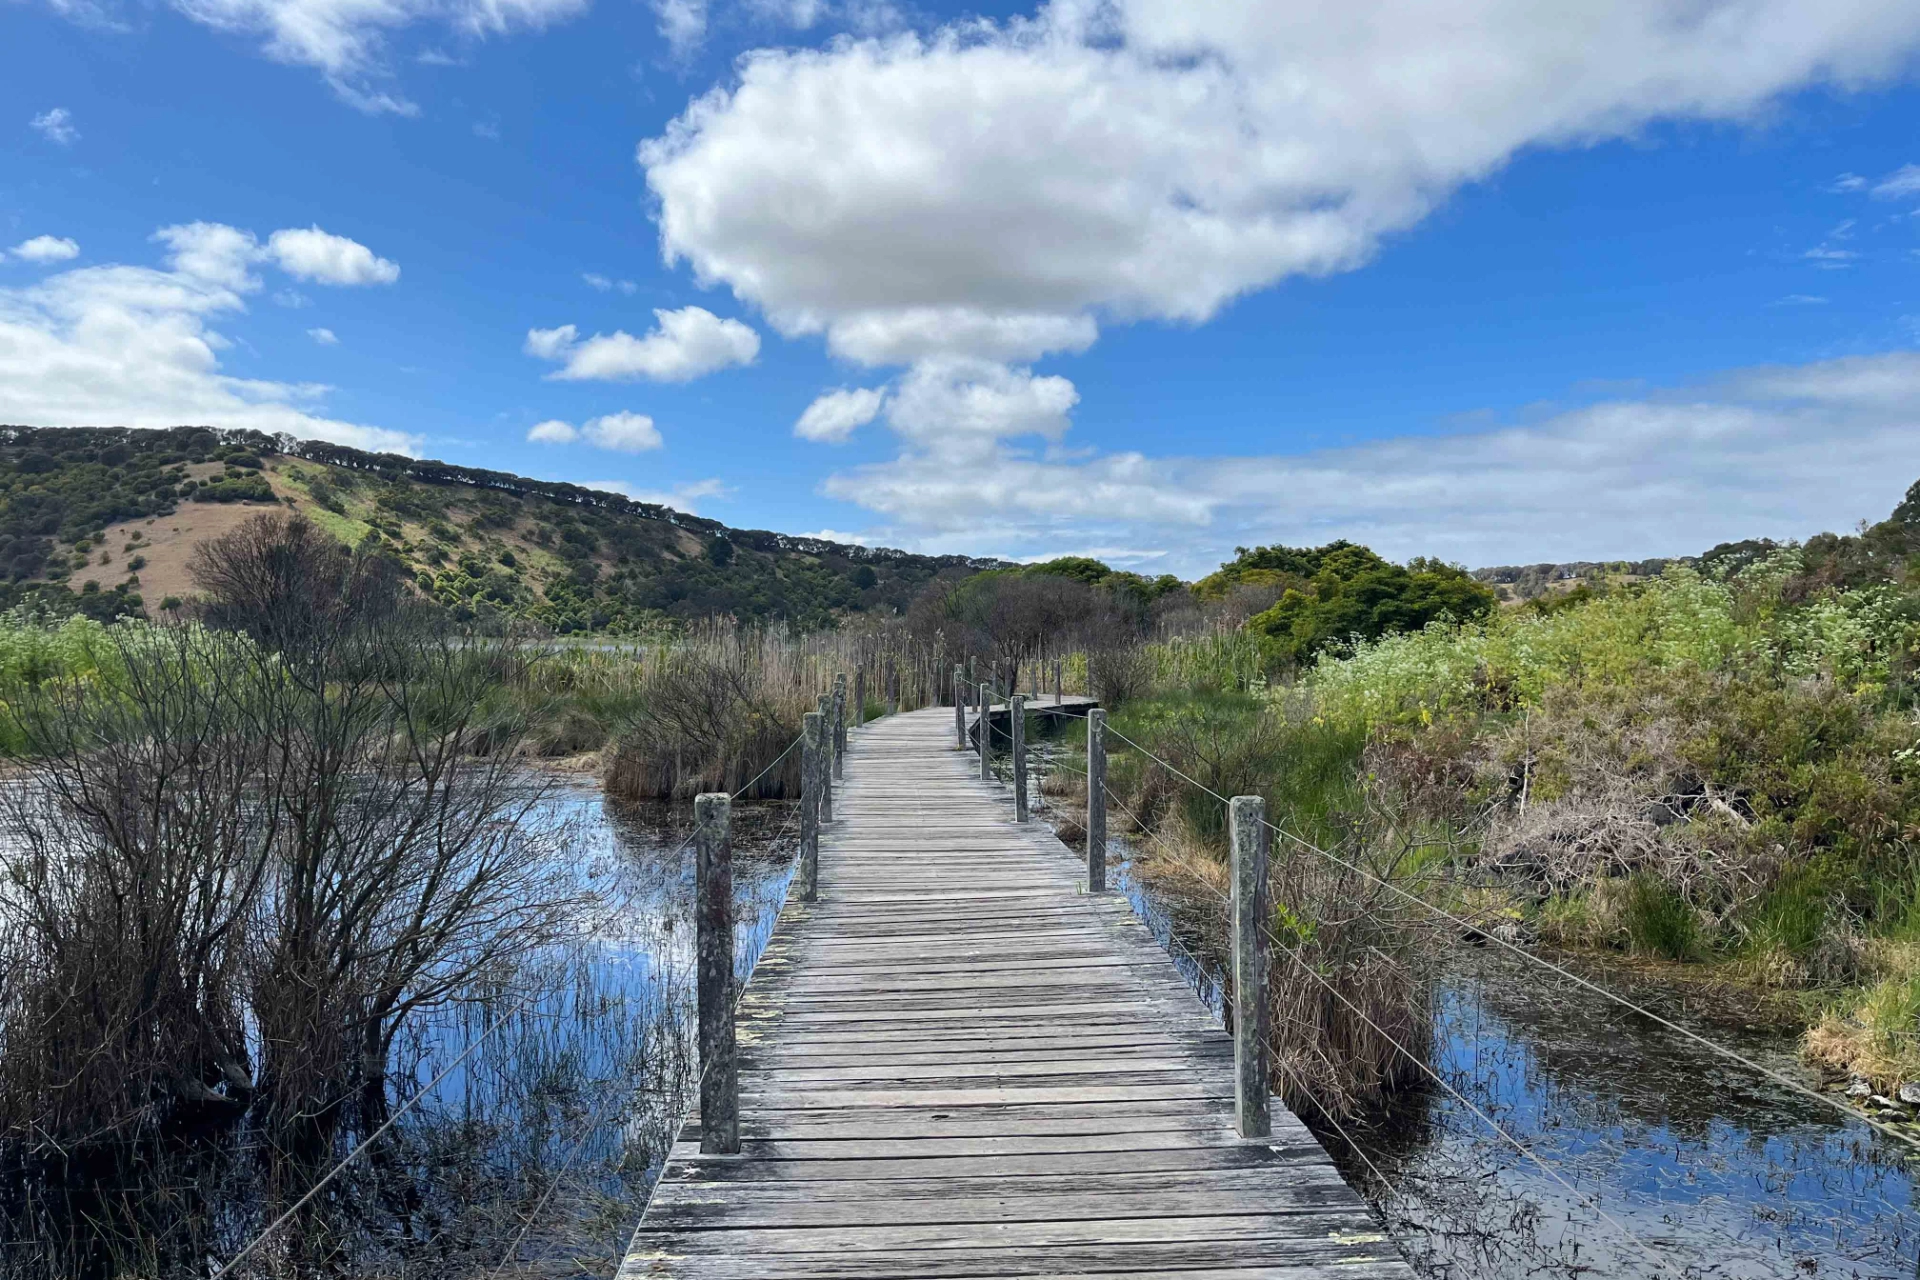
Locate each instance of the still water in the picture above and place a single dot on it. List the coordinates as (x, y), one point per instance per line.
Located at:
(1669, 1160)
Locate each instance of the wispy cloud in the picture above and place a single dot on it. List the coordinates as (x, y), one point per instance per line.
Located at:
(1659, 473)
(56, 126)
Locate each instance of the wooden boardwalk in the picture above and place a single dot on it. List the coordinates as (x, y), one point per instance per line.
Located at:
(956, 1063)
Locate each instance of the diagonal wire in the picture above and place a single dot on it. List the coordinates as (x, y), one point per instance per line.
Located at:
(1731, 1055)
(1293, 954)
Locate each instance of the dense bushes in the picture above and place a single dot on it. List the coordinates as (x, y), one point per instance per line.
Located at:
(1340, 594)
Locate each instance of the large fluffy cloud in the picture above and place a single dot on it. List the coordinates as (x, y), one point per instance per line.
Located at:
(970, 201)
(134, 346)
(684, 344)
(1001, 185)
(1780, 451)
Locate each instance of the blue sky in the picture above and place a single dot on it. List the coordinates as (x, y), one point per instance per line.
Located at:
(1138, 279)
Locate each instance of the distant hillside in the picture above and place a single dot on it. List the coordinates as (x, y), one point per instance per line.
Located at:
(106, 519)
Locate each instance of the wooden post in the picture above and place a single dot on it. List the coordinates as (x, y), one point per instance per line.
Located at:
(893, 688)
(1250, 911)
(839, 726)
(1096, 801)
(1058, 687)
(826, 758)
(986, 733)
(713, 889)
(1017, 709)
(860, 698)
(960, 707)
(809, 873)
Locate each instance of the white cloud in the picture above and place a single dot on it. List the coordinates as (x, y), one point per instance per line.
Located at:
(56, 126)
(1159, 158)
(1829, 258)
(682, 497)
(916, 333)
(292, 299)
(1904, 181)
(325, 337)
(683, 24)
(46, 249)
(625, 432)
(314, 255)
(135, 346)
(1660, 474)
(1848, 182)
(346, 40)
(621, 432)
(213, 252)
(835, 415)
(605, 283)
(550, 344)
(962, 406)
(684, 345)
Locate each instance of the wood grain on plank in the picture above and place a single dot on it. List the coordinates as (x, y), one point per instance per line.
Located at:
(958, 1063)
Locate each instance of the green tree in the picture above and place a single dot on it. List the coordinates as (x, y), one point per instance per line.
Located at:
(1354, 594)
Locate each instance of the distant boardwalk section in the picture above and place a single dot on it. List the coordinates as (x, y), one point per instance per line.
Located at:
(957, 1063)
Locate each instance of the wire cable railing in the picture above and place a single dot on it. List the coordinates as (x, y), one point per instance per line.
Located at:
(1730, 1055)
(1587, 1199)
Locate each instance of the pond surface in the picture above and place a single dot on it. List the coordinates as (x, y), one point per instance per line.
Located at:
(1666, 1159)
(574, 1101)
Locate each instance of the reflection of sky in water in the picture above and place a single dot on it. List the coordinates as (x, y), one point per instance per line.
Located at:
(1711, 1167)
(1707, 1164)
(597, 1071)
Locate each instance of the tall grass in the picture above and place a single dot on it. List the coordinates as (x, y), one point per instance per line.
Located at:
(1346, 990)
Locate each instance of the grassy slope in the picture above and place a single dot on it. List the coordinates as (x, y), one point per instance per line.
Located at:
(480, 542)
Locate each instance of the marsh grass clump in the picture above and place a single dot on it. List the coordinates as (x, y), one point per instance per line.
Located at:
(1658, 919)
(1348, 998)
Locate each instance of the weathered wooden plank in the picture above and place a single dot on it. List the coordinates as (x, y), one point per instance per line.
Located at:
(958, 1063)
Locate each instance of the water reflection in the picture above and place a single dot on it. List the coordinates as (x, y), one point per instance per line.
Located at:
(581, 1093)
(1680, 1162)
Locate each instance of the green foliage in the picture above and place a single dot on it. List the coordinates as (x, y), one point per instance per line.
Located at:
(1139, 589)
(235, 487)
(1659, 921)
(1241, 744)
(1354, 596)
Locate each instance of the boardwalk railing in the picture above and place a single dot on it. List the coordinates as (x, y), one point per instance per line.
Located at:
(954, 1061)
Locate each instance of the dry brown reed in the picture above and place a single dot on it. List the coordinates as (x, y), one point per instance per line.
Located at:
(714, 707)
